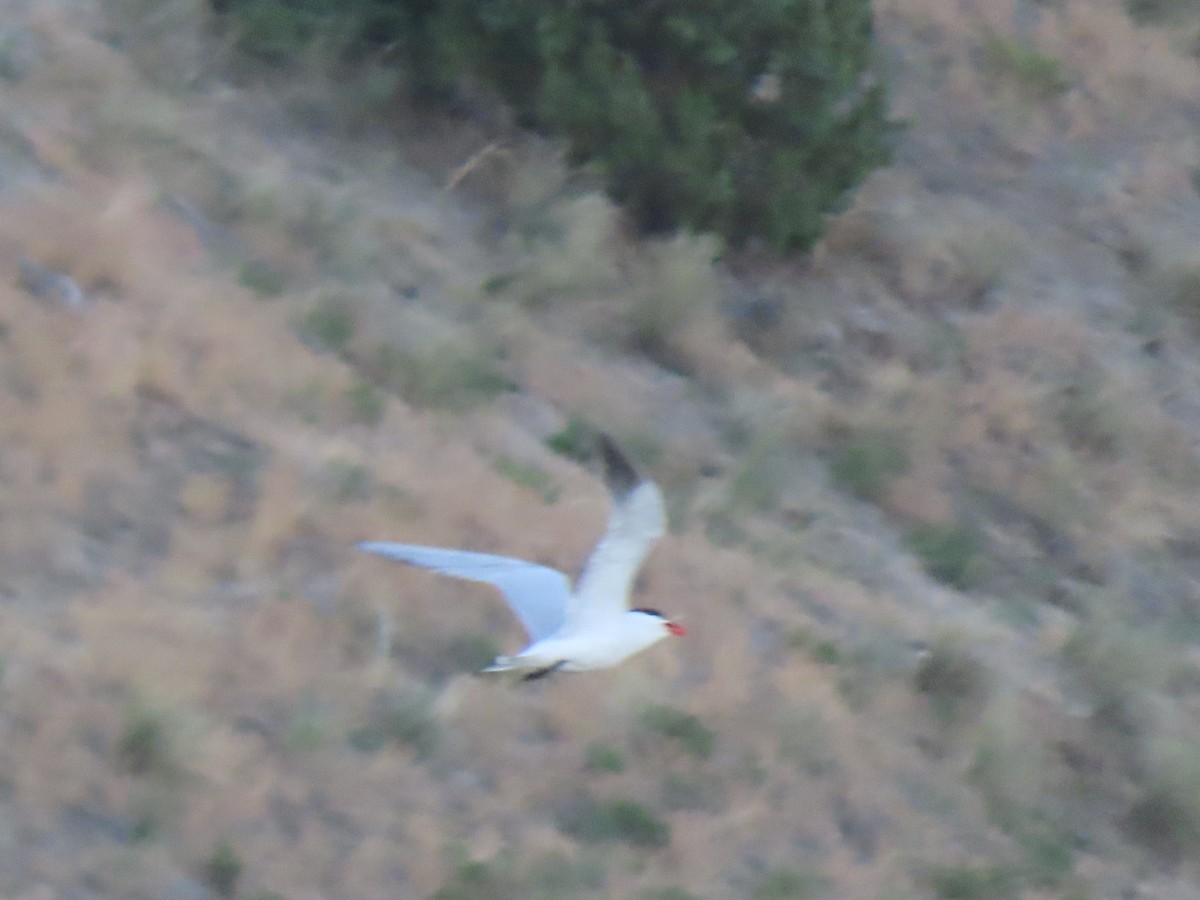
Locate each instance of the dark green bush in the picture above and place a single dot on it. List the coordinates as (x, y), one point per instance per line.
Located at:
(750, 120)
(953, 679)
(595, 821)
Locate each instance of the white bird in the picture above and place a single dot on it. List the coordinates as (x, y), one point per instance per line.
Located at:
(591, 627)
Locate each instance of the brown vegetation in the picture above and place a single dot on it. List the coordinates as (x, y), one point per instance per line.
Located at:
(934, 490)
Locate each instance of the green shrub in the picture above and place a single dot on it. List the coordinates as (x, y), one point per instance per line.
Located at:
(603, 758)
(951, 552)
(591, 820)
(575, 440)
(329, 325)
(746, 120)
(155, 805)
(476, 880)
(282, 30)
(953, 679)
(972, 882)
(548, 876)
(146, 745)
(1049, 850)
(664, 101)
(696, 738)
(262, 278)
(450, 376)
(1034, 75)
(866, 465)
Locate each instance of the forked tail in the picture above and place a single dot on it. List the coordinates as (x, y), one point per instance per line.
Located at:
(512, 664)
(499, 664)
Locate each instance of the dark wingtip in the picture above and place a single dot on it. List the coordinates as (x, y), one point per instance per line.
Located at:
(619, 473)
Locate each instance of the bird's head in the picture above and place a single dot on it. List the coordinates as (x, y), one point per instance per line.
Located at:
(670, 626)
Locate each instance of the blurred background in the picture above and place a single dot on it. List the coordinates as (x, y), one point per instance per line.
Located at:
(899, 303)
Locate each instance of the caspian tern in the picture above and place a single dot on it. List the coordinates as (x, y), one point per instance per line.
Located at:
(591, 627)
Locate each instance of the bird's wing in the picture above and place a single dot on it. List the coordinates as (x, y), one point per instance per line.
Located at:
(638, 519)
(537, 594)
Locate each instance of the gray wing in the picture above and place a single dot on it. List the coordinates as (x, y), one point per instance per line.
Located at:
(537, 594)
(638, 519)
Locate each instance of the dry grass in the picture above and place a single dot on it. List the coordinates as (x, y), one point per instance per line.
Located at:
(197, 674)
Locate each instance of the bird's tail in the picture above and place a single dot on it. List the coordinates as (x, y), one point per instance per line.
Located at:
(500, 664)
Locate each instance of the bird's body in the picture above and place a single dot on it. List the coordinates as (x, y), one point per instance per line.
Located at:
(591, 627)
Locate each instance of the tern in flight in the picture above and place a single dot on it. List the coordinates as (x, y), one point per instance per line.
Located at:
(592, 626)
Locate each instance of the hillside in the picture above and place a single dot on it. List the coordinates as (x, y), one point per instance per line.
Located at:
(934, 489)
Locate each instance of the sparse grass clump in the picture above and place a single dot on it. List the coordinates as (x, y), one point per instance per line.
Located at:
(154, 806)
(548, 876)
(1034, 75)
(693, 736)
(804, 741)
(693, 790)
(262, 278)
(450, 376)
(147, 745)
(575, 440)
(1159, 12)
(973, 881)
(1165, 817)
(819, 649)
(329, 326)
(603, 758)
(954, 681)
(366, 403)
(470, 652)
(223, 869)
(791, 884)
(1094, 417)
(406, 719)
(951, 552)
(762, 475)
(476, 880)
(592, 821)
(1049, 849)
(1177, 287)
(529, 476)
(345, 481)
(1119, 665)
(557, 875)
(866, 464)
(676, 286)
(307, 729)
